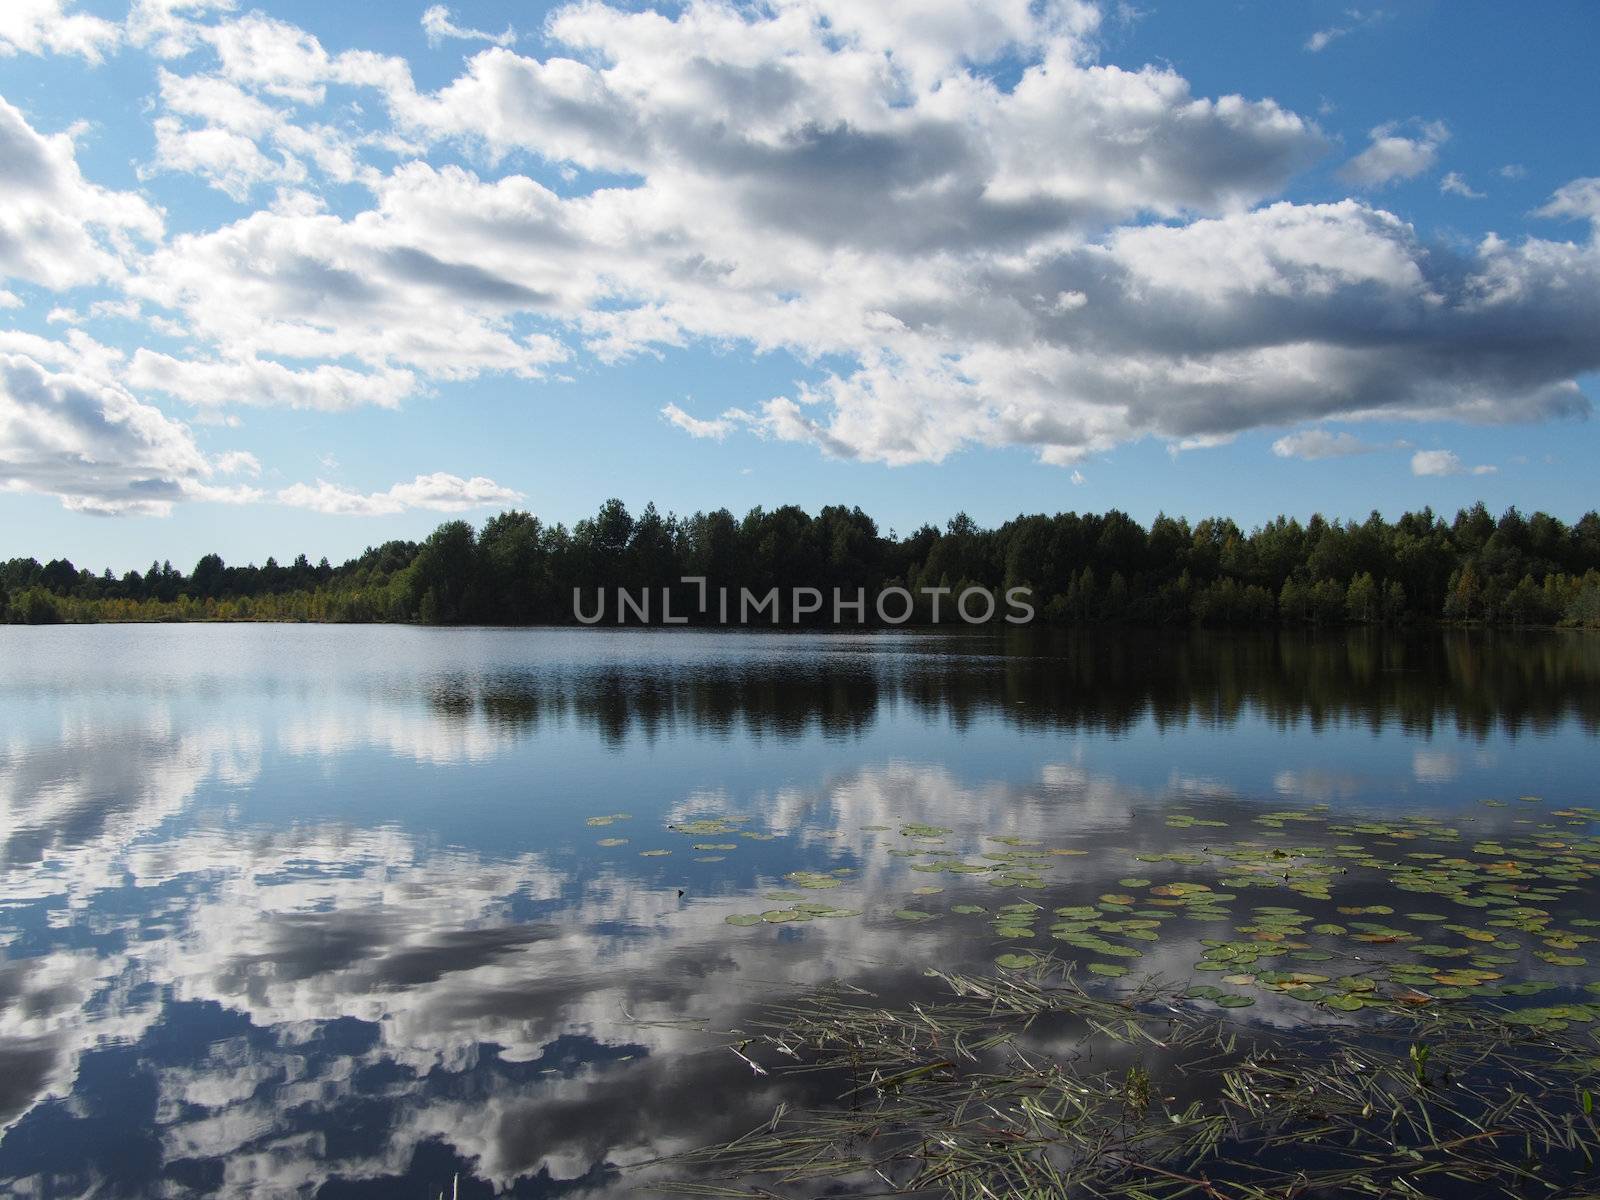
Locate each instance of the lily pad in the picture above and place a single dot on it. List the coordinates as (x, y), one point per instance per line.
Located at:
(1017, 962)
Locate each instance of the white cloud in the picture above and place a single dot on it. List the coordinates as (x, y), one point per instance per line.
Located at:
(167, 28)
(232, 162)
(56, 228)
(1355, 19)
(1445, 462)
(77, 353)
(438, 24)
(722, 102)
(939, 242)
(438, 492)
(1314, 444)
(390, 288)
(93, 445)
(127, 310)
(237, 140)
(238, 462)
(1580, 199)
(976, 264)
(694, 427)
(1456, 184)
(253, 381)
(46, 26)
(1392, 155)
(1513, 171)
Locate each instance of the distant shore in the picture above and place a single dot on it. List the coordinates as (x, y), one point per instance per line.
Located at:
(779, 567)
(954, 627)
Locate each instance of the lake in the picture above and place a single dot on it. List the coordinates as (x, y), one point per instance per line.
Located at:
(380, 911)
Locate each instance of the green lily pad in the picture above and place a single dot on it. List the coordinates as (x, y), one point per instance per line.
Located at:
(1017, 962)
(811, 880)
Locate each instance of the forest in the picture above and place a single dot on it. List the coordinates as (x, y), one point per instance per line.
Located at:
(1081, 568)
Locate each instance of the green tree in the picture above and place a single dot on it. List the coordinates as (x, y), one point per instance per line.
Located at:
(1361, 599)
(34, 606)
(446, 568)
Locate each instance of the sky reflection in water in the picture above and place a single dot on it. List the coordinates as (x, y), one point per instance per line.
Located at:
(301, 908)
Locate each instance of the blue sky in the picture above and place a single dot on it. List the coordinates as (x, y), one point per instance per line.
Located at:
(306, 277)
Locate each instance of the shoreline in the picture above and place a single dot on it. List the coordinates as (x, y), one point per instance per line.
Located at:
(993, 627)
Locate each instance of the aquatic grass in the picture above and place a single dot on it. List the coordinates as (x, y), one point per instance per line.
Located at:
(978, 1094)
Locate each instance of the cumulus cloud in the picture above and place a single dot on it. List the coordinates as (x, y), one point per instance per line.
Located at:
(56, 228)
(1456, 184)
(796, 130)
(1313, 444)
(47, 27)
(233, 163)
(94, 445)
(168, 28)
(439, 25)
(1579, 199)
(238, 462)
(383, 288)
(1445, 462)
(961, 246)
(1393, 155)
(438, 492)
(238, 139)
(1082, 256)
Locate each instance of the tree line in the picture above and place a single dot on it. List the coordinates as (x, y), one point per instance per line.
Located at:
(1080, 568)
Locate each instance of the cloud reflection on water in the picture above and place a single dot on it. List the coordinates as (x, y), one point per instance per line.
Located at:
(225, 973)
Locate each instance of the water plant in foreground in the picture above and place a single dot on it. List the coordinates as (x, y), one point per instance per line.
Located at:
(1029, 1084)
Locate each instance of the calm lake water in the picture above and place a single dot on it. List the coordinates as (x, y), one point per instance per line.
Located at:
(353, 911)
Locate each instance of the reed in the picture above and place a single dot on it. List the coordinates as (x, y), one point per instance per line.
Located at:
(1030, 1084)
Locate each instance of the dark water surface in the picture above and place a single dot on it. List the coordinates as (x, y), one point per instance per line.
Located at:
(297, 910)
